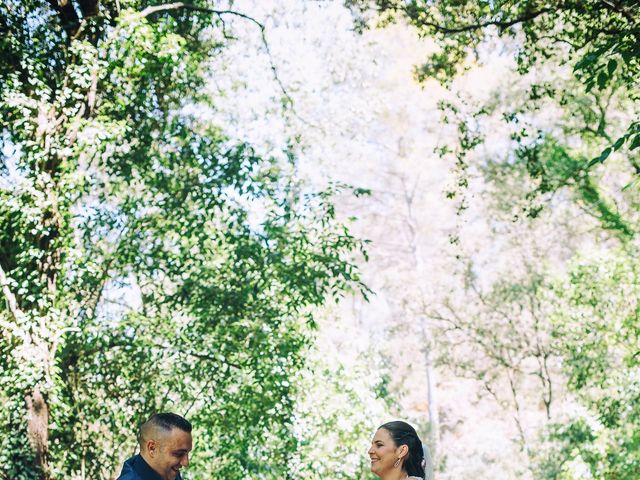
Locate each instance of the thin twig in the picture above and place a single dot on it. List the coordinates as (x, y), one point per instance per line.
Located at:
(187, 6)
(198, 396)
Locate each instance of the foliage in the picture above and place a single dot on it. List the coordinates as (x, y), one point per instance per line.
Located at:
(599, 38)
(341, 401)
(596, 327)
(595, 43)
(497, 336)
(148, 261)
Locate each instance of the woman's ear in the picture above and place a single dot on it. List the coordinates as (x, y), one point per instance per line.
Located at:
(403, 450)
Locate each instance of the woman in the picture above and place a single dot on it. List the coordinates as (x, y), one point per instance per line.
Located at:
(396, 453)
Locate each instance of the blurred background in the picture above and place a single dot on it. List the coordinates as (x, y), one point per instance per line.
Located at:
(293, 221)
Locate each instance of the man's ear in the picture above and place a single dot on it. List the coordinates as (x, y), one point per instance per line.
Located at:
(152, 447)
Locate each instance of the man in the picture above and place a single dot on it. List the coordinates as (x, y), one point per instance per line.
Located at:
(165, 443)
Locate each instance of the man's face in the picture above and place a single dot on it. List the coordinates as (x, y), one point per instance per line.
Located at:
(170, 452)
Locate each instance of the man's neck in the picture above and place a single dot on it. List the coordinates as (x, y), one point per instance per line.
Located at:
(146, 458)
(149, 462)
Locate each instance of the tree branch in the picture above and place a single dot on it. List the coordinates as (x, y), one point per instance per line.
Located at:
(187, 6)
(90, 305)
(12, 302)
(89, 8)
(616, 7)
(477, 26)
(68, 16)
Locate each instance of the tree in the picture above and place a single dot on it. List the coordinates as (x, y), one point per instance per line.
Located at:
(501, 340)
(573, 122)
(147, 260)
(596, 331)
(343, 400)
(598, 40)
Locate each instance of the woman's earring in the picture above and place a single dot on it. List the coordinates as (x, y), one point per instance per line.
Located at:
(397, 464)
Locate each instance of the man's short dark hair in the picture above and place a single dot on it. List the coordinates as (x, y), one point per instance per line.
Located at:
(168, 421)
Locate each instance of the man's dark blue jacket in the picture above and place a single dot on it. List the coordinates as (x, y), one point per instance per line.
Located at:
(137, 469)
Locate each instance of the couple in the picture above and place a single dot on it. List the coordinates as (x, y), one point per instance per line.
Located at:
(396, 452)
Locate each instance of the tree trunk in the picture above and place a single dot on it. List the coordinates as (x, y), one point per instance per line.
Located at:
(38, 429)
(434, 421)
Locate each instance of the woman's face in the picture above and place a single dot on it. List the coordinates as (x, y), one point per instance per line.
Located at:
(383, 452)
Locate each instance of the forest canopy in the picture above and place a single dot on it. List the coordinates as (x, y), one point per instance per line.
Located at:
(178, 233)
(581, 61)
(597, 42)
(148, 261)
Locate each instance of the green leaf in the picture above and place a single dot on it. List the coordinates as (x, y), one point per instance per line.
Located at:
(603, 156)
(602, 80)
(632, 183)
(587, 60)
(619, 143)
(611, 66)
